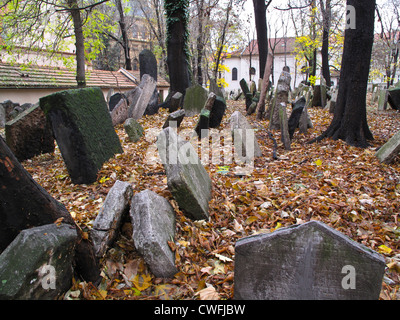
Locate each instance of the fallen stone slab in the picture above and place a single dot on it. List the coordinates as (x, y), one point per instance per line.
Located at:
(187, 179)
(153, 221)
(30, 134)
(176, 118)
(83, 129)
(37, 265)
(108, 221)
(389, 151)
(310, 261)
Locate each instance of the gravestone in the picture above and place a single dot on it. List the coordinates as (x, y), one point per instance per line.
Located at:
(195, 98)
(114, 100)
(8, 107)
(247, 94)
(383, 100)
(148, 64)
(202, 126)
(30, 134)
(245, 142)
(389, 151)
(176, 102)
(38, 264)
(187, 179)
(176, 117)
(140, 99)
(83, 129)
(133, 129)
(297, 111)
(2, 116)
(217, 112)
(394, 98)
(153, 221)
(310, 261)
(120, 112)
(108, 221)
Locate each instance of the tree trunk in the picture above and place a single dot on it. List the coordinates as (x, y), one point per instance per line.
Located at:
(177, 45)
(326, 16)
(79, 42)
(25, 204)
(350, 117)
(260, 11)
(125, 39)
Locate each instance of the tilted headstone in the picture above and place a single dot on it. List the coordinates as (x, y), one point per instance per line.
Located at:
(306, 262)
(30, 134)
(245, 142)
(148, 64)
(195, 98)
(38, 264)
(187, 179)
(176, 102)
(153, 221)
(394, 98)
(138, 107)
(248, 96)
(176, 117)
(297, 111)
(133, 129)
(217, 112)
(83, 129)
(389, 151)
(114, 100)
(120, 112)
(108, 221)
(383, 100)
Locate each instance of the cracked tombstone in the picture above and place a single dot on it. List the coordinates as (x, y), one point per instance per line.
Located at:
(108, 221)
(187, 179)
(310, 261)
(153, 222)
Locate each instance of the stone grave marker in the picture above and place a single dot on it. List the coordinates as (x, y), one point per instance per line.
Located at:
(83, 129)
(176, 117)
(194, 100)
(217, 112)
(133, 129)
(30, 134)
(144, 94)
(2, 116)
(114, 100)
(245, 142)
(38, 264)
(120, 112)
(310, 261)
(176, 102)
(394, 98)
(383, 99)
(187, 179)
(388, 152)
(153, 221)
(148, 64)
(108, 221)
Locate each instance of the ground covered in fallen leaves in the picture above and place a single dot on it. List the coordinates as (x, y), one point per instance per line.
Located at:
(345, 187)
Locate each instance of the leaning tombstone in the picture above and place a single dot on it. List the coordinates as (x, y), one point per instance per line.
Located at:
(383, 100)
(285, 138)
(176, 117)
(144, 94)
(114, 100)
(83, 129)
(38, 264)
(394, 98)
(30, 134)
(108, 221)
(148, 64)
(176, 102)
(120, 112)
(187, 179)
(195, 98)
(247, 94)
(204, 119)
(153, 221)
(297, 111)
(389, 151)
(217, 112)
(310, 261)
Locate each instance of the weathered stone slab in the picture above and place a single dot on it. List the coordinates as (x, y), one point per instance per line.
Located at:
(383, 100)
(297, 111)
(120, 112)
(37, 265)
(133, 129)
(147, 87)
(388, 152)
(217, 112)
(83, 129)
(153, 221)
(30, 134)
(148, 64)
(176, 102)
(108, 221)
(2, 116)
(306, 262)
(245, 142)
(187, 179)
(394, 98)
(115, 99)
(195, 98)
(176, 117)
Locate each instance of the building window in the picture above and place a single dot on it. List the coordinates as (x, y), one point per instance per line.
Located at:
(234, 74)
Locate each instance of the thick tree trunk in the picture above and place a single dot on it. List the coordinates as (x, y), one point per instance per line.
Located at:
(177, 57)
(25, 204)
(350, 118)
(125, 39)
(79, 43)
(260, 9)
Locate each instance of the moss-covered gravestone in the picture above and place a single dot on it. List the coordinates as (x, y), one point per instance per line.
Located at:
(83, 129)
(195, 98)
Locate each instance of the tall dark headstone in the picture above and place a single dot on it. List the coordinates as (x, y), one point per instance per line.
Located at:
(148, 64)
(83, 129)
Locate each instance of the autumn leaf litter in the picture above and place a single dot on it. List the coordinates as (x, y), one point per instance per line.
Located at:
(345, 187)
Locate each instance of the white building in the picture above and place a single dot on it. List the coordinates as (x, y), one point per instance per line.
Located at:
(245, 63)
